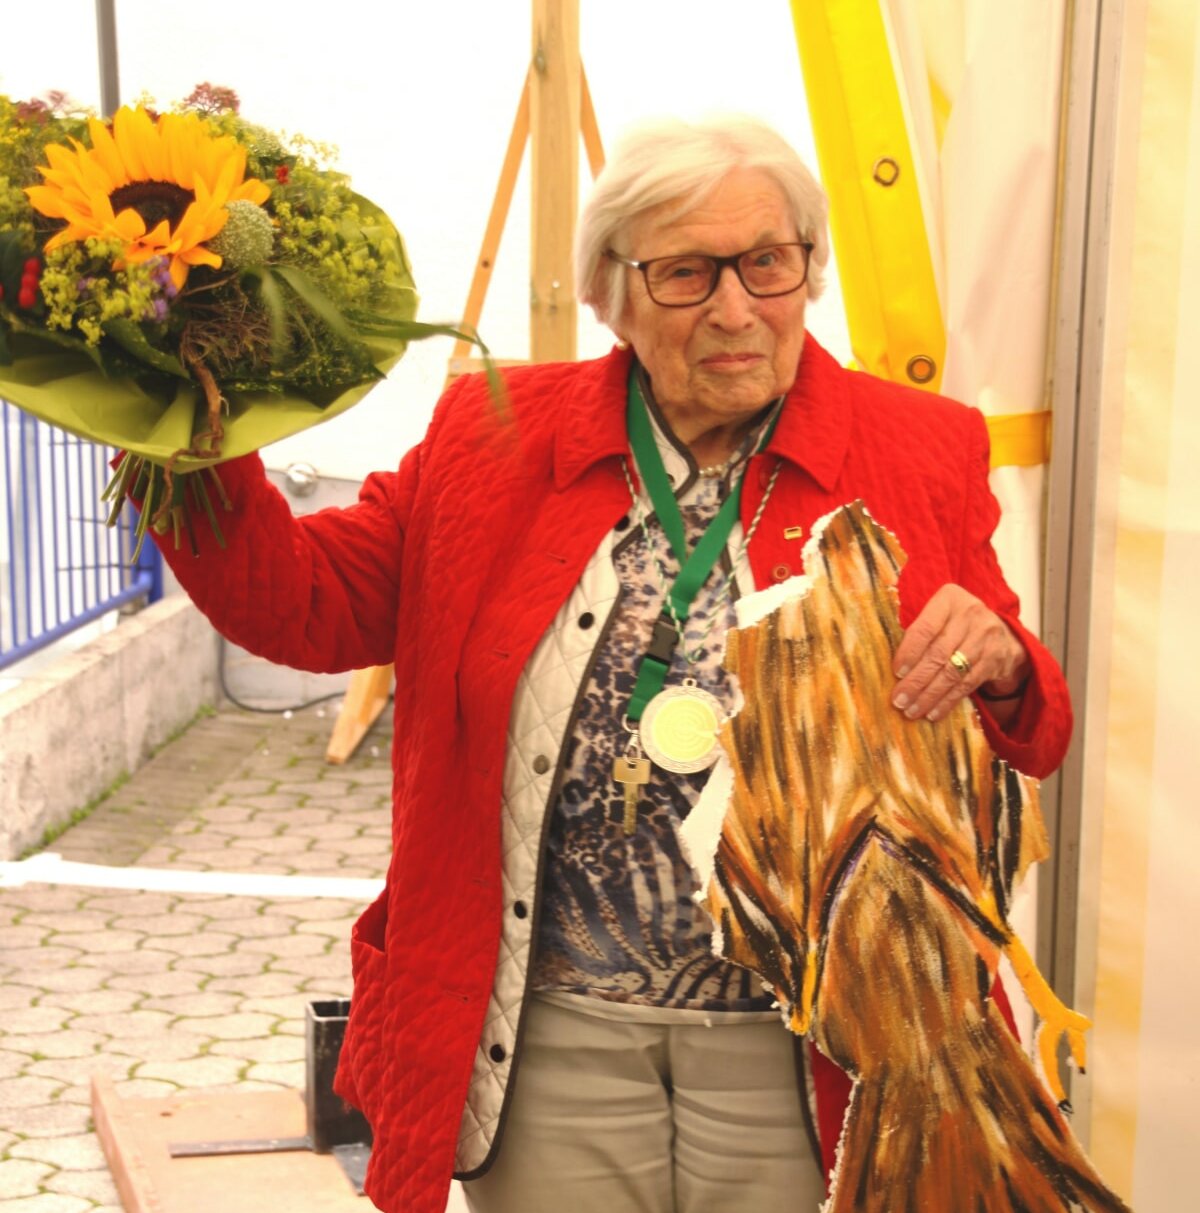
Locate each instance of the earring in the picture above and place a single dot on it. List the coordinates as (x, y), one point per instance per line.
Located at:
(622, 344)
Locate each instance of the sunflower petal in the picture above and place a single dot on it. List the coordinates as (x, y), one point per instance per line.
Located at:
(105, 152)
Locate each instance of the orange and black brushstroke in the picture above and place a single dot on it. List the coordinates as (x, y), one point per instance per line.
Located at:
(864, 871)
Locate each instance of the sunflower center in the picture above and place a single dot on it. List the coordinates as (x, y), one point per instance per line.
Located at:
(154, 201)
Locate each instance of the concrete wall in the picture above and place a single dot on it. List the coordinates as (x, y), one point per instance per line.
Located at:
(68, 732)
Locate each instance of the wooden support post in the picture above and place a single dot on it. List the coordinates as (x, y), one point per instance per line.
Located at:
(554, 111)
(555, 105)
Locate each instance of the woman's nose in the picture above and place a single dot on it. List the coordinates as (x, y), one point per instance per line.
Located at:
(730, 305)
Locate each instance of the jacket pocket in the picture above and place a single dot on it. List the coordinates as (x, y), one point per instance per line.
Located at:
(360, 1067)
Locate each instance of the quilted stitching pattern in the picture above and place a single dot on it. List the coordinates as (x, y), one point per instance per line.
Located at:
(454, 568)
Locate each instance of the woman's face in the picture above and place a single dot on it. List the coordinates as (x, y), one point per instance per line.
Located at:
(719, 361)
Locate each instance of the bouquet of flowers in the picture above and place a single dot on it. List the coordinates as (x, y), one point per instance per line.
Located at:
(190, 287)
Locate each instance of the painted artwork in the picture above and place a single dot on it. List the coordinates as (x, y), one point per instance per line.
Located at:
(863, 864)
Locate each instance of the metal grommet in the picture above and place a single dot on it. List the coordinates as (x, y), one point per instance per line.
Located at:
(886, 171)
(921, 368)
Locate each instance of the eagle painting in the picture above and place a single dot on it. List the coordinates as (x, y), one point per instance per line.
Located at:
(862, 864)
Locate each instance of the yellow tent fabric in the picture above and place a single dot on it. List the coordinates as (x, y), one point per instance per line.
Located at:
(889, 280)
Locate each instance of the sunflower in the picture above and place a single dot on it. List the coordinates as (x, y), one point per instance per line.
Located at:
(158, 185)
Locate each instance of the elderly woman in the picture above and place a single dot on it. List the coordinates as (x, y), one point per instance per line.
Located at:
(536, 1005)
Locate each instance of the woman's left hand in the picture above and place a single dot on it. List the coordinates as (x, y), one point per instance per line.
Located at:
(929, 663)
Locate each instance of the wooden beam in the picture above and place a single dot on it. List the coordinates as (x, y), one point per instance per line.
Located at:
(554, 113)
(589, 126)
(486, 262)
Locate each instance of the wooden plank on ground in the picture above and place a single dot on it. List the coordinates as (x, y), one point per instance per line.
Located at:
(364, 701)
(136, 1135)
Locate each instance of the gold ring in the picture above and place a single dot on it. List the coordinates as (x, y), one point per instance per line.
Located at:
(961, 663)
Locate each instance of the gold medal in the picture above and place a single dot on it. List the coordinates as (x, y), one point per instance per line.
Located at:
(679, 728)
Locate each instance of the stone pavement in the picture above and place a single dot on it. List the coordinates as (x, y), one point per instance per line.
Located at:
(164, 991)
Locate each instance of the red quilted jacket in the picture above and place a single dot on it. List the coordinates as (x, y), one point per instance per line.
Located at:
(453, 567)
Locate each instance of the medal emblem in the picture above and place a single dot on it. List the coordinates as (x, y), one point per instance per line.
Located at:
(679, 728)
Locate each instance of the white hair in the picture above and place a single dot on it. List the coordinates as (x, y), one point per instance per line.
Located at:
(669, 160)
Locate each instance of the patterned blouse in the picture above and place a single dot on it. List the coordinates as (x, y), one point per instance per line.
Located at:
(618, 918)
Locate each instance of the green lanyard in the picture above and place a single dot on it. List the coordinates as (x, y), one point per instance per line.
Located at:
(694, 567)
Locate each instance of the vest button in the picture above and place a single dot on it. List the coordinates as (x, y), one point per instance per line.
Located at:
(586, 620)
(520, 909)
(497, 1053)
(622, 523)
(781, 572)
(541, 764)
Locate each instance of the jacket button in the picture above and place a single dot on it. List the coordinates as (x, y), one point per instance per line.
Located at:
(541, 764)
(497, 1053)
(520, 909)
(586, 620)
(781, 572)
(622, 523)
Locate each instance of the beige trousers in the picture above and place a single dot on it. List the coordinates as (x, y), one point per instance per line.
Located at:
(613, 1115)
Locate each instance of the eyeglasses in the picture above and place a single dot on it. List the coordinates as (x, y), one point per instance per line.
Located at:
(690, 278)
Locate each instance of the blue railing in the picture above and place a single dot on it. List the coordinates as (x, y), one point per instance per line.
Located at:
(61, 567)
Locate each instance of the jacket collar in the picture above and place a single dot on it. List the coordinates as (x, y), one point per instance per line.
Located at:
(813, 430)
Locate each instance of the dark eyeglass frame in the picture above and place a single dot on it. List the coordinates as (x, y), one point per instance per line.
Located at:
(733, 262)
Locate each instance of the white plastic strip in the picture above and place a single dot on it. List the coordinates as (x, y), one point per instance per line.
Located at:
(49, 868)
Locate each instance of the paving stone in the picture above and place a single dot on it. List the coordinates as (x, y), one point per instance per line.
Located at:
(6, 1140)
(274, 800)
(81, 1153)
(39, 959)
(43, 896)
(21, 1176)
(158, 856)
(157, 984)
(138, 904)
(15, 997)
(11, 1064)
(92, 942)
(311, 814)
(32, 1020)
(202, 943)
(264, 1049)
(264, 985)
(199, 1072)
(167, 1046)
(329, 967)
(161, 924)
(199, 1002)
(78, 1071)
(26, 1092)
(73, 979)
(94, 1002)
(56, 1119)
(146, 1088)
(71, 920)
(275, 844)
(225, 965)
(25, 936)
(243, 1026)
(307, 863)
(336, 928)
(286, 945)
(49, 1202)
(70, 1043)
(148, 960)
(233, 788)
(258, 926)
(124, 1023)
(322, 907)
(284, 1073)
(90, 1185)
(220, 908)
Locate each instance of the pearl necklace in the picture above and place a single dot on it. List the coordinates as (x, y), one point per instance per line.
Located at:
(715, 471)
